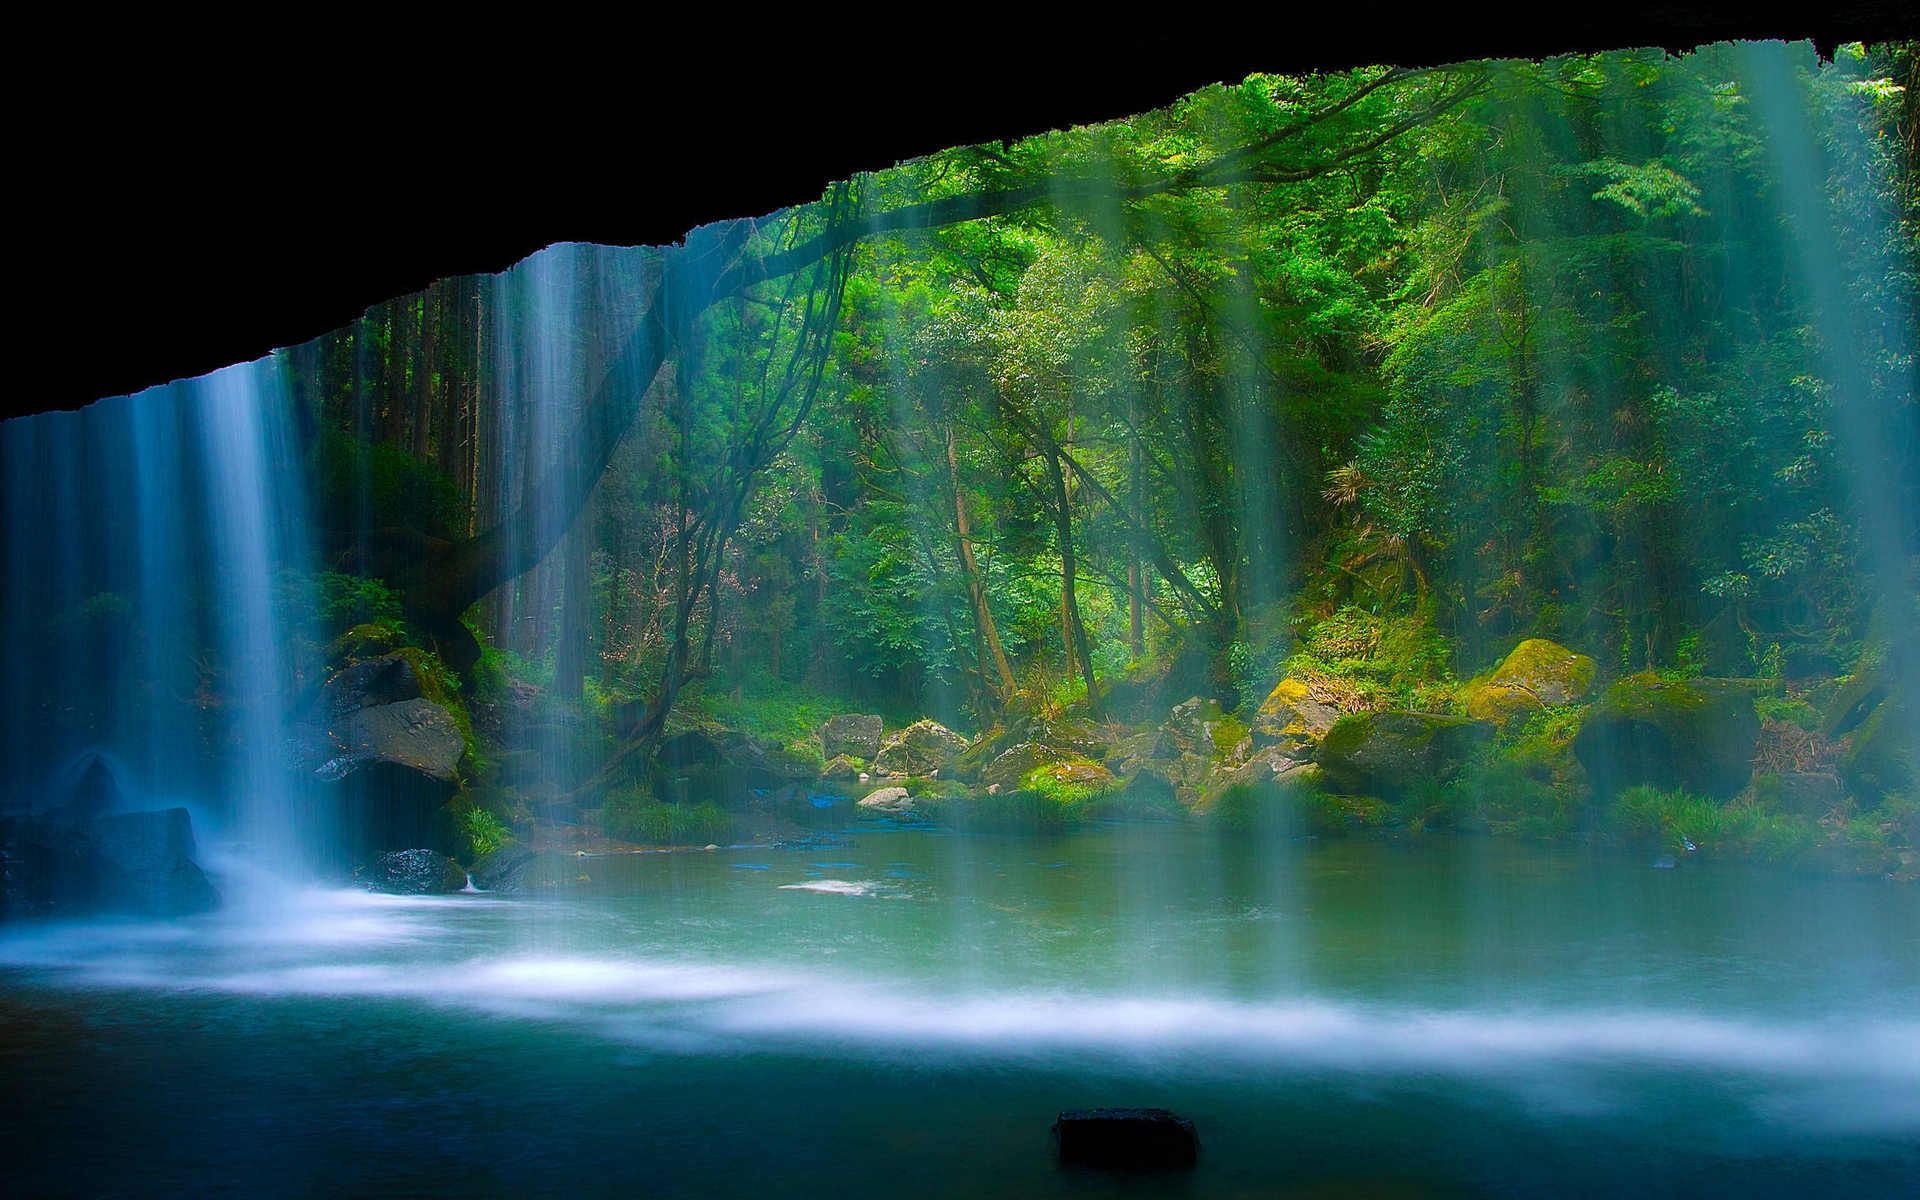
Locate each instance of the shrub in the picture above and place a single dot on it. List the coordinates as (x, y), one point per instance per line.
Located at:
(485, 832)
(633, 816)
(1672, 819)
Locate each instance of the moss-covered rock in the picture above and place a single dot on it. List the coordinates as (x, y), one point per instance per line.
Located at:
(1882, 759)
(1387, 753)
(843, 767)
(853, 736)
(1694, 734)
(920, 749)
(1538, 674)
(1291, 719)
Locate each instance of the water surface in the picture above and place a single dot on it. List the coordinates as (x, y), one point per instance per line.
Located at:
(907, 1010)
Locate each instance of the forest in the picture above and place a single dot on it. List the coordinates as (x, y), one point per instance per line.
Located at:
(1514, 448)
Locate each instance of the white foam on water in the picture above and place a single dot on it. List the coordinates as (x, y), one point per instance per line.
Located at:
(1857, 1075)
(837, 887)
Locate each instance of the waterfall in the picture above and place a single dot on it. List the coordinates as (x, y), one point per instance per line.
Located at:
(155, 548)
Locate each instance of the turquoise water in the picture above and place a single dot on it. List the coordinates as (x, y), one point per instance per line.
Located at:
(905, 1012)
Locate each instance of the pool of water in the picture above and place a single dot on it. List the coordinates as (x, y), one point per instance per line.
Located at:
(904, 1013)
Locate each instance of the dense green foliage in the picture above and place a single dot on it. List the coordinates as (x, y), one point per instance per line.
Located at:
(1357, 379)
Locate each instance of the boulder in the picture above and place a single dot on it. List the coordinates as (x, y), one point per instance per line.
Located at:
(413, 873)
(856, 736)
(1538, 674)
(416, 734)
(156, 851)
(1883, 756)
(1138, 1139)
(1015, 763)
(693, 747)
(1192, 720)
(90, 789)
(886, 800)
(843, 767)
(1386, 753)
(387, 770)
(920, 749)
(500, 870)
(1809, 793)
(135, 863)
(1695, 734)
(388, 679)
(1292, 720)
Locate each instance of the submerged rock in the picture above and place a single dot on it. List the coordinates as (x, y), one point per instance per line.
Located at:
(1538, 674)
(1386, 753)
(1696, 734)
(1138, 1139)
(413, 873)
(920, 749)
(855, 736)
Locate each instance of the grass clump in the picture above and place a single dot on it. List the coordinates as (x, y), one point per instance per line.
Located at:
(485, 832)
(632, 815)
(1673, 819)
(1020, 811)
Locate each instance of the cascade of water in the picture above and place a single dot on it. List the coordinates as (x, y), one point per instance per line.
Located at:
(146, 597)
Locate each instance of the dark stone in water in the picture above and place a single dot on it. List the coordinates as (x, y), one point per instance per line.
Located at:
(1135, 1139)
(500, 870)
(139, 863)
(91, 789)
(413, 873)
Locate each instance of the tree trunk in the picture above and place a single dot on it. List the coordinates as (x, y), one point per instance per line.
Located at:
(1076, 632)
(988, 634)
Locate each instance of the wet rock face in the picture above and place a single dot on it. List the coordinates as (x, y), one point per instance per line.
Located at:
(1538, 674)
(1696, 734)
(137, 863)
(856, 736)
(413, 873)
(920, 749)
(1138, 1139)
(1387, 753)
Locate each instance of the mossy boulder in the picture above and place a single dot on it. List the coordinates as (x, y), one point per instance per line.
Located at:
(843, 766)
(1882, 758)
(854, 736)
(1292, 720)
(1387, 753)
(1538, 674)
(1697, 735)
(920, 749)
